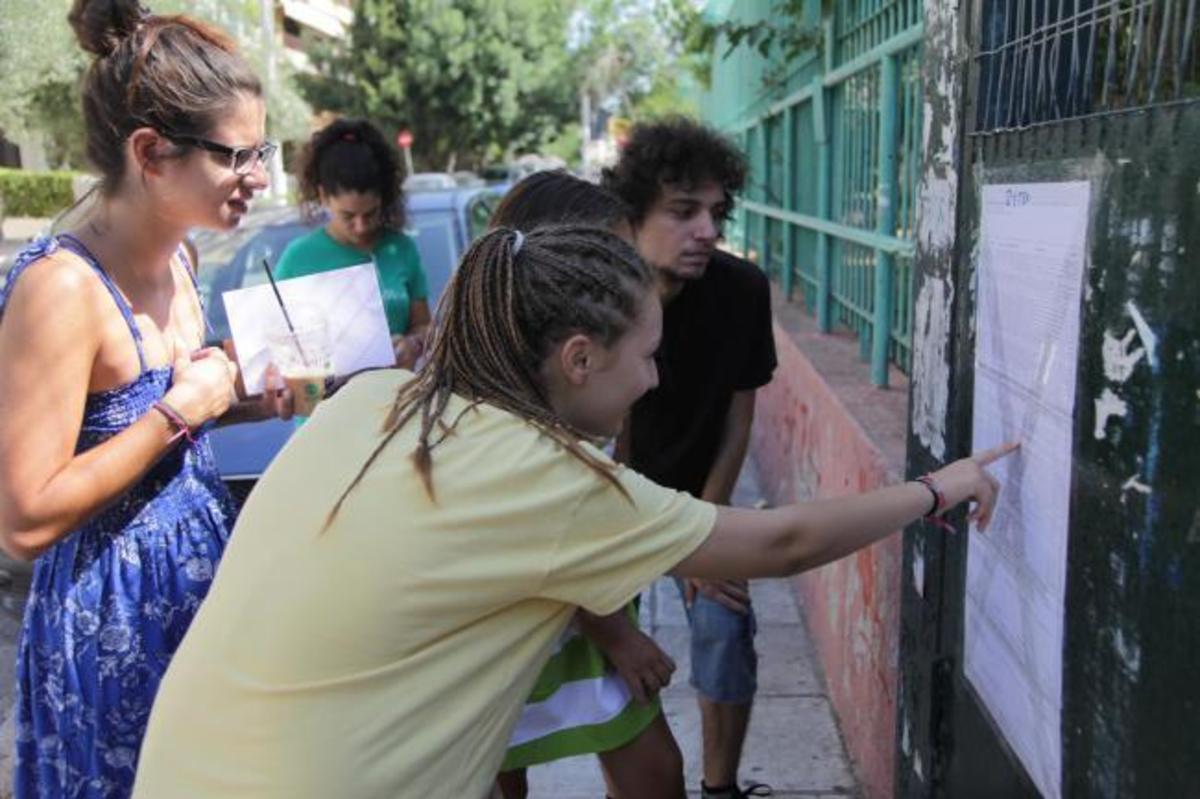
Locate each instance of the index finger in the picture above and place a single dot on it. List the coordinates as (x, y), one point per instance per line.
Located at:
(996, 453)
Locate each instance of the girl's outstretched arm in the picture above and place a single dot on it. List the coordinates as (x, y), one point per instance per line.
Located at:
(792, 539)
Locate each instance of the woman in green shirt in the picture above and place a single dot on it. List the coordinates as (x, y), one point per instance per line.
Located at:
(350, 169)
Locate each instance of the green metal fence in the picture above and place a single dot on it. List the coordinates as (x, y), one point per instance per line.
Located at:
(833, 138)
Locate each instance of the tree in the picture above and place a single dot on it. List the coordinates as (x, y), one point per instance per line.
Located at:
(788, 32)
(472, 79)
(41, 65)
(288, 113)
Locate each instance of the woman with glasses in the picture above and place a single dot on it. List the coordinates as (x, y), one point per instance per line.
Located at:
(107, 480)
(349, 169)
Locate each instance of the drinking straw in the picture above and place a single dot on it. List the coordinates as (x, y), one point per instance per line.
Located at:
(286, 317)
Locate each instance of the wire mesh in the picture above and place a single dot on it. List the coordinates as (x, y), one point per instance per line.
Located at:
(1050, 60)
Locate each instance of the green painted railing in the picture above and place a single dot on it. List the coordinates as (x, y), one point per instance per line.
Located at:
(833, 139)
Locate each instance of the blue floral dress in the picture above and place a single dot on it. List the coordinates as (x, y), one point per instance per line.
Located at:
(110, 602)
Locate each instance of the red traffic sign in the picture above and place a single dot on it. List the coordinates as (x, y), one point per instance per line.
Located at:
(404, 138)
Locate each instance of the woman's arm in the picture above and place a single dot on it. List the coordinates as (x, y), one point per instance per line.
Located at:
(49, 341)
(792, 539)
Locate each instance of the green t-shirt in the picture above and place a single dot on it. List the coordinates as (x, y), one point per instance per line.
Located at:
(397, 263)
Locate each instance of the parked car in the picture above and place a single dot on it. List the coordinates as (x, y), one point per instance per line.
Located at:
(443, 223)
(429, 181)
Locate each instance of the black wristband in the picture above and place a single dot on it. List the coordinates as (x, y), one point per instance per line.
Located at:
(937, 500)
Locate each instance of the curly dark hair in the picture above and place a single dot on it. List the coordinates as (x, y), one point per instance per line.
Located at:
(352, 155)
(674, 151)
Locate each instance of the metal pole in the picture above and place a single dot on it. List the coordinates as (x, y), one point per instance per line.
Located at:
(885, 219)
(266, 8)
(585, 120)
(789, 197)
(764, 246)
(824, 270)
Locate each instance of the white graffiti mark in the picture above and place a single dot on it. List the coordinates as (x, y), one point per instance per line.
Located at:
(1119, 360)
(1107, 406)
(1134, 484)
(1129, 652)
(1149, 340)
(918, 570)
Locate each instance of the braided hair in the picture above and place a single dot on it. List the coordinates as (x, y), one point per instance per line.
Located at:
(513, 299)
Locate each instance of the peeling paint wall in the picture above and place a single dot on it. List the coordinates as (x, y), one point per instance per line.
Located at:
(937, 199)
(931, 408)
(932, 316)
(806, 444)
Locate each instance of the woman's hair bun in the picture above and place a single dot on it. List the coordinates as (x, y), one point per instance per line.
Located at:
(101, 25)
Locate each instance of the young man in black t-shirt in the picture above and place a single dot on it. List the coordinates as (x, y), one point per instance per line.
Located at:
(691, 433)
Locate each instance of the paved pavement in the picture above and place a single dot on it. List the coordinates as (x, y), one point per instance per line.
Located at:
(794, 743)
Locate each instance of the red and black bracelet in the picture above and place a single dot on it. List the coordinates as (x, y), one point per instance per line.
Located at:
(176, 420)
(933, 516)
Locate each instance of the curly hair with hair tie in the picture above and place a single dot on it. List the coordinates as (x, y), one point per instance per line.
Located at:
(352, 155)
(501, 317)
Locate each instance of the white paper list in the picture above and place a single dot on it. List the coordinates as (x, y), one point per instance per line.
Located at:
(1030, 278)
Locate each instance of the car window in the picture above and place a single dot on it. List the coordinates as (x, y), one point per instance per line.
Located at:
(479, 213)
(434, 234)
(242, 270)
(268, 245)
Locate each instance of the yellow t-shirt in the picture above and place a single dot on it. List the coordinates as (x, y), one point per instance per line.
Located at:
(389, 655)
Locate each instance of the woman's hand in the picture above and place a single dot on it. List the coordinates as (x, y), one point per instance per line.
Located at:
(408, 349)
(276, 399)
(644, 667)
(203, 386)
(968, 480)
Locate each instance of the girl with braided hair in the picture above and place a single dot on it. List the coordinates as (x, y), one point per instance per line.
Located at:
(351, 170)
(599, 691)
(404, 568)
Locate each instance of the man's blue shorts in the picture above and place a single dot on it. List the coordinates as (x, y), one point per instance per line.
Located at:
(724, 663)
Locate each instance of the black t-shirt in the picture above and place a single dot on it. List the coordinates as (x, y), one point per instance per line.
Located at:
(717, 340)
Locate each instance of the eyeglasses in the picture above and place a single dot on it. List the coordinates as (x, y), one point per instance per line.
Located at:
(241, 159)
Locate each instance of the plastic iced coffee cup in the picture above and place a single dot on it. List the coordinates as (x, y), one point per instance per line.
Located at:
(305, 362)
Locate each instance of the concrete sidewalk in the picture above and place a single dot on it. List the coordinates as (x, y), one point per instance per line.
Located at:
(794, 744)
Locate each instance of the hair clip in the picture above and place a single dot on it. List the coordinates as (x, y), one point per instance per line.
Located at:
(518, 240)
(350, 136)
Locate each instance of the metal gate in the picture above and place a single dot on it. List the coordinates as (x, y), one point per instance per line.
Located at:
(1106, 91)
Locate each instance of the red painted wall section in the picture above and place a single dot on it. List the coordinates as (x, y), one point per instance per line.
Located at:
(807, 442)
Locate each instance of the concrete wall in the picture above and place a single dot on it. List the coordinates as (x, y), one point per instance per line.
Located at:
(821, 430)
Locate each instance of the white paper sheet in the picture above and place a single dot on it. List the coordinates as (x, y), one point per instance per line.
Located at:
(349, 301)
(1030, 278)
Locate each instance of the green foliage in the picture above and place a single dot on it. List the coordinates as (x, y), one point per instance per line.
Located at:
(631, 55)
(288, 113)
(54, 109)
(472, 79)
(35, 193)
(566, 145)
(40, 63)
(43, 66)
(787, 34)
